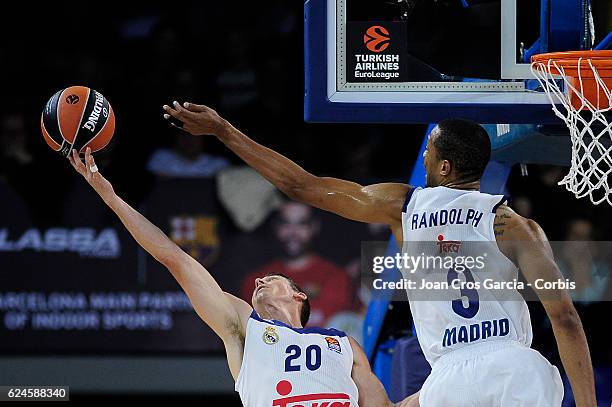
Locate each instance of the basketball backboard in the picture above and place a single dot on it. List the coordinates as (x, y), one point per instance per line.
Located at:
(409, 61)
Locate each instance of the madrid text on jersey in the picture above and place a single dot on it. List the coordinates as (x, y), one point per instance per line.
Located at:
(446, 217)
(475, 332)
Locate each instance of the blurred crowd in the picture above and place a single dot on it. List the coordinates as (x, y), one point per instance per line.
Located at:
(579, 233)
(246, 61)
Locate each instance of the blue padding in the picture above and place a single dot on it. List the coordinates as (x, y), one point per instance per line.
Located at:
(540, 45)
(535, 49)
(372, 324)
(417, 178)
(562, 27)
(606, 43)
(523, 144)
(383, 362)
(409, 369)
(544, 25)
(494, 178)
(603, 388)
(567, 28)
(315, 49)
(377, 309)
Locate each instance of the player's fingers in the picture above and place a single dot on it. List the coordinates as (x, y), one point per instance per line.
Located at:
(178, 116)
(83, 162)
(178, 126)
(184, 113)
(172, 112)
(175, 122)
(90, 163)
(192, 107)
(74, 158)
(78, 164)
(71, 161)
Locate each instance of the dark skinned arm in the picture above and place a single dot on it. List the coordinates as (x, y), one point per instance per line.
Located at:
(379, 203)
(524, 242)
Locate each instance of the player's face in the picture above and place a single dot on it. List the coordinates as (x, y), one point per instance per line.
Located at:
(272, 290)
(431, 161)
(295, 228)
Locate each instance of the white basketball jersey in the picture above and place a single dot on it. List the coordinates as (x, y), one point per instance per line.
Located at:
(451, 219)
(284, 366)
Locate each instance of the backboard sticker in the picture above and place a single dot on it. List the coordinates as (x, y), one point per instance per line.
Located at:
(376, 51)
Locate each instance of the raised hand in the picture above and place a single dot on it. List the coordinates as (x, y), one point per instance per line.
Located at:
(89, 171)
(195, 119)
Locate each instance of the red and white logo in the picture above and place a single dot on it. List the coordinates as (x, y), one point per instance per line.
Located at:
(448, 246)
(377, 38)
(197, 235)
(183, 228)
(284, 388)
(333, 344)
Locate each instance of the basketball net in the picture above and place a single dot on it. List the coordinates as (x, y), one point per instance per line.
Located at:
(583, 107)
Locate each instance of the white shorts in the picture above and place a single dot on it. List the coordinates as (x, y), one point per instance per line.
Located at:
(492, 374)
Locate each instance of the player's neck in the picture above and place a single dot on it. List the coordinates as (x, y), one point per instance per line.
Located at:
(461, 184)
(281, 314)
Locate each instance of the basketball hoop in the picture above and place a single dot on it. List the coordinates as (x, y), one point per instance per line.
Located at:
(581, 81)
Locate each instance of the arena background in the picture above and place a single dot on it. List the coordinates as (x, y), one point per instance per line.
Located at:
(97, 302)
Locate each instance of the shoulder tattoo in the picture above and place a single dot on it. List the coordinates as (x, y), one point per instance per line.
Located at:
(502, 218)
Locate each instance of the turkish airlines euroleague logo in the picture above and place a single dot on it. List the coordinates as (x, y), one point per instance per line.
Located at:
(377, 38)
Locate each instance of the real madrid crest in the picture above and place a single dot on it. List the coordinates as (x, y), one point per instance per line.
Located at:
(270, 336)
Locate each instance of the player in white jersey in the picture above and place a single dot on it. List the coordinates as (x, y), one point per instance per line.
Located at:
(275, 361)
(494, 366)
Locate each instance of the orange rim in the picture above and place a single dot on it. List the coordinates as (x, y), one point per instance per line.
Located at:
(601, 59)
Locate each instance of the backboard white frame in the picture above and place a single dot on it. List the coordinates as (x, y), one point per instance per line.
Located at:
(338, 90)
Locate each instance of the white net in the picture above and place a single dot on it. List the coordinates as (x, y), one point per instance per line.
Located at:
(590, 129)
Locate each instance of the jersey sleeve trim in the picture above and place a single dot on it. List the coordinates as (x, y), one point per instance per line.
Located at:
(307, 330)
(505, 199)
(408, 197)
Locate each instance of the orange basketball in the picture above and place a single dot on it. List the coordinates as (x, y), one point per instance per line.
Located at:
(76, 118)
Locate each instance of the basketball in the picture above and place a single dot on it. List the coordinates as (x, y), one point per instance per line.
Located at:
(76, 118)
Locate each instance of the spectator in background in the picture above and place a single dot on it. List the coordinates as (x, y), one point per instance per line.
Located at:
(278, 19)
(14, 152)
(17, 163)
(237, 81)
(186, 160)
(16, 166)
(522, 205)
(326, 284)
(580, 264)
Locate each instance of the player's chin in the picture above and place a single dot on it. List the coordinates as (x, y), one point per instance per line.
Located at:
(259, 296)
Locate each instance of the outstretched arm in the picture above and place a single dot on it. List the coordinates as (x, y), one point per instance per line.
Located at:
(371, 391)
(226, 315)
(524, 241)
(381, 203)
